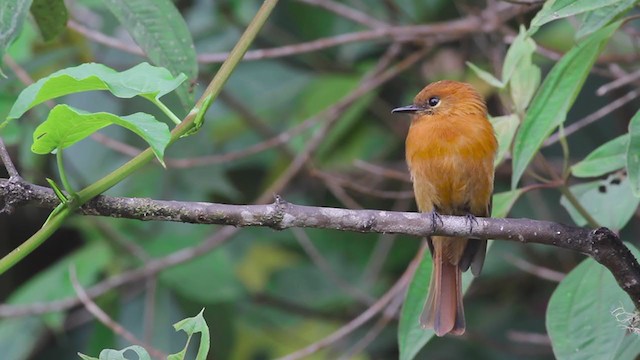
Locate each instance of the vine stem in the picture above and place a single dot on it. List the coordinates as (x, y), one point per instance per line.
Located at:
(196, 113)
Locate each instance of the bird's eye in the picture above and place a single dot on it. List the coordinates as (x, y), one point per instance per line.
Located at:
(434, 101)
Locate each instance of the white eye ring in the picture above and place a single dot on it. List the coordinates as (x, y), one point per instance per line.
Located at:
(433, 101)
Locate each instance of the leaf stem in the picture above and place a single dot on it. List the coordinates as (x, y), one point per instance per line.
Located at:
(566, 191)
(63, 174)
(565, 153)
(102, 185)
(166, 111)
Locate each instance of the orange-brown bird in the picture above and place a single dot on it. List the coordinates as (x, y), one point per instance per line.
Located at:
(450, 150)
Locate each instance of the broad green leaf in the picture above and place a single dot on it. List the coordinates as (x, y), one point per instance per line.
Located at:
(629, 349)
(12, 15)
(524, 83)
(65, 126)
(486, 76)
(51, 17)
(110, 354)
(159, 29)
(610, 202)
(608, 157)
(633, 154)
(563, 8)
(581, 316)
(596, 19)
(141, 80)
(411, 337)
(555, 97)
(505, 128)
(522, 48)
(191, 326)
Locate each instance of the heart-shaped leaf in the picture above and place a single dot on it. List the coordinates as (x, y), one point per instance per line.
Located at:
(65, 126)
(141, 80)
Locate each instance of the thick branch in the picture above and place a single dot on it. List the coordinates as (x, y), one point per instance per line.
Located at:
(601, 244)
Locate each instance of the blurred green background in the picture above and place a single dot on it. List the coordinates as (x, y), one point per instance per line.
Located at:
(268, 293)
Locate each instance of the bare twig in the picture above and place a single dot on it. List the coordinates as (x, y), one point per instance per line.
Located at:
(539, 271)
(374, 309)
(321, 262)
(601, 244)
(106, 320)
(593, 117)
(446, 31)
(347, 13)
(529, 338)
(103, 39)
(8, 164)
(388, 314)
(617, 83)
(383, 171)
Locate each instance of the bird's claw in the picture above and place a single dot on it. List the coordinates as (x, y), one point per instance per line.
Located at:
(435, 219)
(471, 220)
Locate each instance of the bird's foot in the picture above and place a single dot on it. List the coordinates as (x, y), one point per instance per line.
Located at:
(435, 220)
(471, 220)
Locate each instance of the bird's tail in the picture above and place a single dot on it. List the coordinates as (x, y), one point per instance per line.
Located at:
(443, 311)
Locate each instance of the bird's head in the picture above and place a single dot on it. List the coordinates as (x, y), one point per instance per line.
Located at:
(446, 98)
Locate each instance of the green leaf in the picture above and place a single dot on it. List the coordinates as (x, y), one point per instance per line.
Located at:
(12, 15)
(56, 190)
(633, 154)
(110, 354)
(522, 48)
(191, 326)
(159, 29)
(596, 19)
(505, 128)
(549, 107)
(610, 202)
(563, 8)
(486, 76)
(412, 337)
(608, 157)
(143, 80)
(65, 126)
(524, 83)
(503, 202)
(629, 349)
(51, 17)
(581, 316)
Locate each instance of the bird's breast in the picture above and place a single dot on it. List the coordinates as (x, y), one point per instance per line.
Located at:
(451, 163)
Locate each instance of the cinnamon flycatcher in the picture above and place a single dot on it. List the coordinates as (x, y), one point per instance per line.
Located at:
(450, 150)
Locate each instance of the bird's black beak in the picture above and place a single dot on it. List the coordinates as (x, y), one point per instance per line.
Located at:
(406, 109)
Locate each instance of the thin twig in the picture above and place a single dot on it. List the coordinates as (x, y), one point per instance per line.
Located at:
(347, 13)
(382, 171)
(323, 264)
(106, 40)
(106, 320)
(354, 324)
(388, 315)
(539, 271)
(8, 164)
(593, 117)
(528, 337)
(617, 83)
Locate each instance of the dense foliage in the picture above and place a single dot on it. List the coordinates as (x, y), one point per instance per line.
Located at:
(306, 115)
